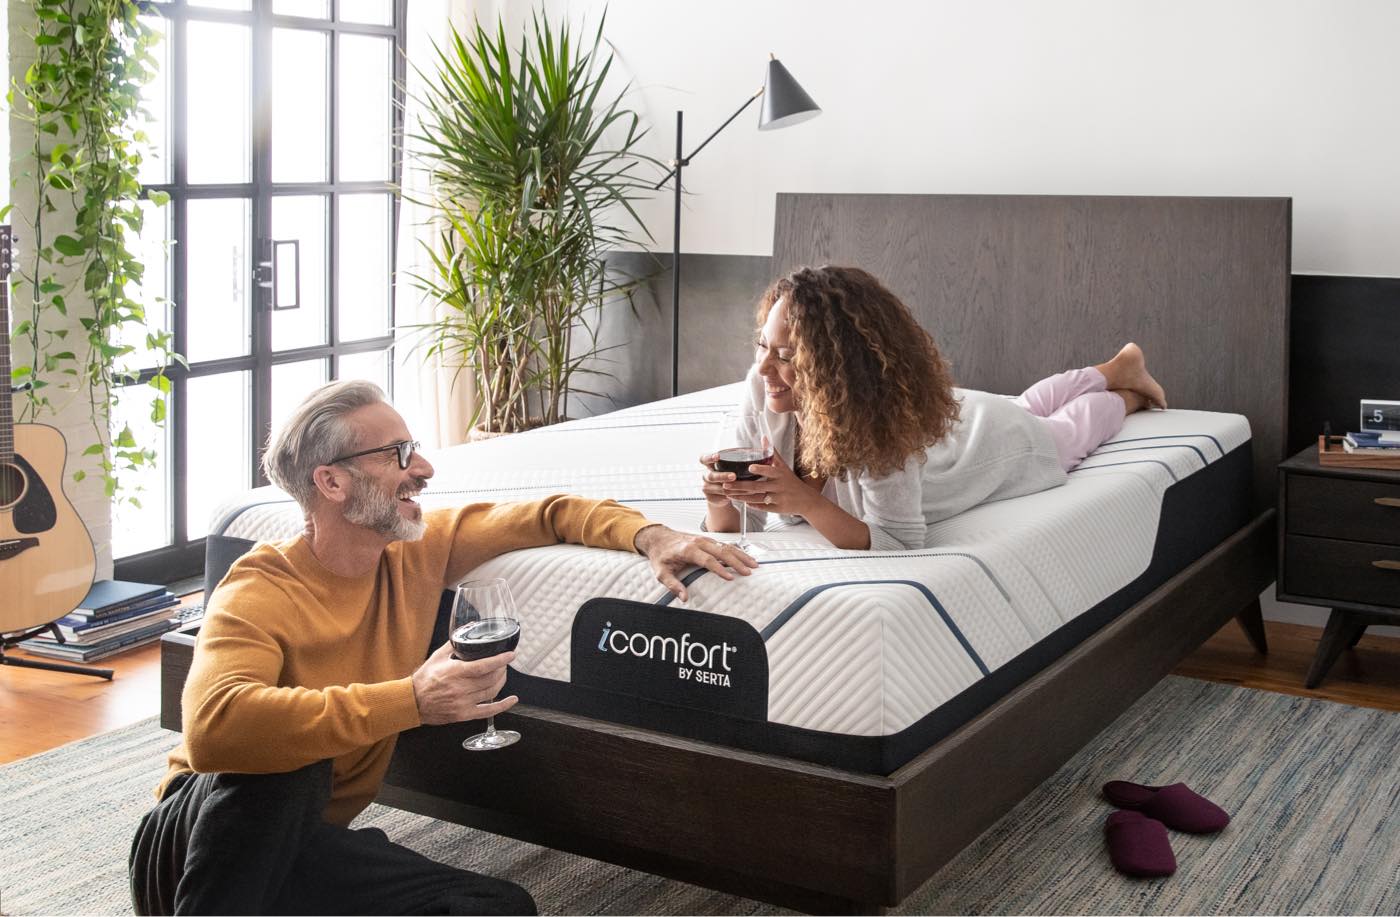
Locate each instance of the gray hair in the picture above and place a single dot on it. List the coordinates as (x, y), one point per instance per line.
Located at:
(316, 433)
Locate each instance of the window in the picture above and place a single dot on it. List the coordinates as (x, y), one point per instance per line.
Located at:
(274, 123)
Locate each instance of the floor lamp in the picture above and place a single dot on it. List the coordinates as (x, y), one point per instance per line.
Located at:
(784, 103)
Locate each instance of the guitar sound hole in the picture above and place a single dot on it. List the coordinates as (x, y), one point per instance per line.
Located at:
(12, 485)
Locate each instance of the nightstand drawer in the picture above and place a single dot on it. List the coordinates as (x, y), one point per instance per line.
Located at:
(1343, 571)
(1343, 508)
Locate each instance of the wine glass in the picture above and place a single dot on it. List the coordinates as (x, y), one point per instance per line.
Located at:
(485, 624)
(744, 440)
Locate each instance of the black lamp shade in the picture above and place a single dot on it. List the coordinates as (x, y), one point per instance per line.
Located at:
(784, 101)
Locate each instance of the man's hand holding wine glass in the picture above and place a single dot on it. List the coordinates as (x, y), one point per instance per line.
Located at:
(450, 690)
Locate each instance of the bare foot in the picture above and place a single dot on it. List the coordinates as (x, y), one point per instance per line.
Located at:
(1128, 370)
(1132, 401)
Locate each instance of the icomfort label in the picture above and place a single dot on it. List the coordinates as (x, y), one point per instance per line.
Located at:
(669, 654)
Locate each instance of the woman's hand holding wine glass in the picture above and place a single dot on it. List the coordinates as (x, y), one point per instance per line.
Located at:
(774, 487)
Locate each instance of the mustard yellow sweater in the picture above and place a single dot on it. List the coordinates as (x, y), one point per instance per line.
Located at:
(296, 664)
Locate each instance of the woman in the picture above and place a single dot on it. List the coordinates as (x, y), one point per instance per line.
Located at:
(873, 444)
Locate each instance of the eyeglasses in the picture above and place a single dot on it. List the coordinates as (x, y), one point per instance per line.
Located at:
(405, 451)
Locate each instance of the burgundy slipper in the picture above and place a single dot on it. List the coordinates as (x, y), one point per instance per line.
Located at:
(1176, 806)
(1138, 845)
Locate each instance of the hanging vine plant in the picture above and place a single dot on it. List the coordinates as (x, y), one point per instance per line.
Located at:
(81, 97)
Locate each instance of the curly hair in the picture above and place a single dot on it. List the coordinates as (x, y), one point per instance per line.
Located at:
(874, 389)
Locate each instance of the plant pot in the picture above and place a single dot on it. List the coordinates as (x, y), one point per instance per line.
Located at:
(480, 434)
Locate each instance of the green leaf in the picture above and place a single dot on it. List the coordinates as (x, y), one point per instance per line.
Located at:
(159, 198)
(125, 439)
(79, 475)
(70, 246)
(94, 449)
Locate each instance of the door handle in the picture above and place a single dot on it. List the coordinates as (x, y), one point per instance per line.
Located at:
(1386, 564)
(1388, 501)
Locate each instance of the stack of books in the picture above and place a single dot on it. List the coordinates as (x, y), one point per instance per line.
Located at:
(114, 617)
(1373, 441)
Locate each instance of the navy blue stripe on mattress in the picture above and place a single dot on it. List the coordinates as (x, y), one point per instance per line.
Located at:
(1117, 464)
(1201, 455)
(1140, 439)
(801, 601)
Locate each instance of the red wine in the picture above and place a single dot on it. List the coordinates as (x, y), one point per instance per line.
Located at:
(484, 638)
(737, 462)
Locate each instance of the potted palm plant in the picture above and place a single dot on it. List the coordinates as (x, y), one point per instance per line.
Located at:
(533, 169)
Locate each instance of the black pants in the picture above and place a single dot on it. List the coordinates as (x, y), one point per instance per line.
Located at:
(257, 844)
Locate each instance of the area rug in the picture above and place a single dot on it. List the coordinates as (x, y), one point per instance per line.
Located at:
(1314, 788)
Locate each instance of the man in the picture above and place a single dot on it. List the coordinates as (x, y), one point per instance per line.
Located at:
(310, 662)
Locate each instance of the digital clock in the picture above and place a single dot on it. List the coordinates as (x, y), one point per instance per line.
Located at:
(1380, 415)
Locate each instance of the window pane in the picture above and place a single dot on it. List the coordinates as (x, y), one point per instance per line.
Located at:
(365, 79)
(153, 292)
(373, 366)
(364, 266)
(145, 527)
(217, 435)
(303, 219)
(223, 4)
(316, 9)
(375, 12)
(218, 134)
(154, 117)
(218, 272)
(291, 383)
(299, 105)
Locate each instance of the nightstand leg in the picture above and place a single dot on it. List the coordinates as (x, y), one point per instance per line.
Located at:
(1251, 618)
(1360, 632)
(1342, 630)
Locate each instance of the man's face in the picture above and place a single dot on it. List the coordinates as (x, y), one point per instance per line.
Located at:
(380, 495)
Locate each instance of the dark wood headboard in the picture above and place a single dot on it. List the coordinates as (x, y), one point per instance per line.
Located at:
(1014, 288)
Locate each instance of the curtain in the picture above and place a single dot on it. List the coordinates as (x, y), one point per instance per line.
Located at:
(433, 397)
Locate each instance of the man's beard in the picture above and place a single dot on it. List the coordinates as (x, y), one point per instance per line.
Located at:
(370, 506)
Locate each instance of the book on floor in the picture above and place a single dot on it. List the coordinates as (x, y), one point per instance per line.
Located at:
(110, 593)
(73, 624)
(159, 600)
(90, 652)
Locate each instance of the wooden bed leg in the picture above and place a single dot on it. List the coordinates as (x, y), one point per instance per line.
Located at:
(1251, 619)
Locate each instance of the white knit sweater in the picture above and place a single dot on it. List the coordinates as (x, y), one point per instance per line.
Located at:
(995, 451)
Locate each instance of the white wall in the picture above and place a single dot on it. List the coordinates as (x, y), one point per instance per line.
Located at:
(1249, 97)
(73, 418)
(1252, 97)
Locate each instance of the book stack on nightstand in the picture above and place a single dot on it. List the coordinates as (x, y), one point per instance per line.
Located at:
(1339, 546)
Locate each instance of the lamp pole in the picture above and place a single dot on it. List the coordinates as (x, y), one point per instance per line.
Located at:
(676, 269)
(786, 103)
(680, 162)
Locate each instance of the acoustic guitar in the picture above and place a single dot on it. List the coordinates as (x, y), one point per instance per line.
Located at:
(46, 555)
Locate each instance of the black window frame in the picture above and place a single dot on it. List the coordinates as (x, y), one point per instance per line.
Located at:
(184, 557)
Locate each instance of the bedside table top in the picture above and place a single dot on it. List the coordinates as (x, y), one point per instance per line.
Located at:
(1306, 462)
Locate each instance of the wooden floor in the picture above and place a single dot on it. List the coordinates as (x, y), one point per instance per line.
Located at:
(42, 710)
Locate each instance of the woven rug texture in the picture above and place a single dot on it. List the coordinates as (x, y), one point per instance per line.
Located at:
(1314, 788)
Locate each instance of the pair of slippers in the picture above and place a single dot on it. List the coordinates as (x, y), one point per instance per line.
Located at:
(1137, 833)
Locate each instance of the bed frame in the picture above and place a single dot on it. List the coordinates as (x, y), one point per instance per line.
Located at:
(1013, 288)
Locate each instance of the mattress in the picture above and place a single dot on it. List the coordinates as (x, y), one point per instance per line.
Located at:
(858, 659)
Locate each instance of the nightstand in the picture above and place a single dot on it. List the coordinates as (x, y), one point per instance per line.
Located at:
(1339, 546)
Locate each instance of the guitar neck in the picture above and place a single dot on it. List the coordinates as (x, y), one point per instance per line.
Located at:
(7, 416)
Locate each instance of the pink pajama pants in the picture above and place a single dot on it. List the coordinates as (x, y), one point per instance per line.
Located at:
(1079, 411)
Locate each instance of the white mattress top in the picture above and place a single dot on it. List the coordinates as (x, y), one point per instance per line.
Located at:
(916, 628)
